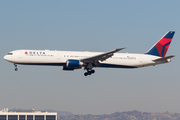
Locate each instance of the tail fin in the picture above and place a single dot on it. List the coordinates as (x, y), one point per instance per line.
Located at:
(161, 47)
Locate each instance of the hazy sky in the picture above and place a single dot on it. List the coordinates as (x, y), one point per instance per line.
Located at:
(80, 25)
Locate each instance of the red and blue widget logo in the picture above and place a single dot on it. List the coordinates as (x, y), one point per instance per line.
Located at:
(26, 53)
(161, 47)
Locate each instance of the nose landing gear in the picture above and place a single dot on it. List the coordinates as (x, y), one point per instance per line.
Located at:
(15, 67)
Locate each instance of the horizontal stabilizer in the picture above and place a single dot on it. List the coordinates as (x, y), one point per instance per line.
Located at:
(164, 58)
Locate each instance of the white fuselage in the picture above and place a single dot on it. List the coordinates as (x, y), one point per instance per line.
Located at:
(59, 58)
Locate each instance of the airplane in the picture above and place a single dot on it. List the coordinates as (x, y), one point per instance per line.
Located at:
(71, 60)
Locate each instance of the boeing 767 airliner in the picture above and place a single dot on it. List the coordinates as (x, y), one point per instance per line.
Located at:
(71, 60)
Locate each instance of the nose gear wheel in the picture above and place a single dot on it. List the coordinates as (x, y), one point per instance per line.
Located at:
(15, 67)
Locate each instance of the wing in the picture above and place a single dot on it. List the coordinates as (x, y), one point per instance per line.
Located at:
(100, 57)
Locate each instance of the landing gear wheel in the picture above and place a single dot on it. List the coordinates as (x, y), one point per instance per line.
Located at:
(92, 71)
(89, 72)
(16, 69)
(86, 73)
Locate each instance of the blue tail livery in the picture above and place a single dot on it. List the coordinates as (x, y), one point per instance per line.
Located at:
(161, 47)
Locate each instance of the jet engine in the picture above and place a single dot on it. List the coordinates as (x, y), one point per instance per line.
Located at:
(72, 64)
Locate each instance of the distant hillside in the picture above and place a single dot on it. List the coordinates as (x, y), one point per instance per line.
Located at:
(129, 115)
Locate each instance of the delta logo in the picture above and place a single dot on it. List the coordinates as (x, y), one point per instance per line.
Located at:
(34, 53)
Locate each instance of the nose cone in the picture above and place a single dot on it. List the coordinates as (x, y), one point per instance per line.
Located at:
(5, 57)
(8, 58)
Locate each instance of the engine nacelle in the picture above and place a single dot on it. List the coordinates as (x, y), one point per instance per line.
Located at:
(74, 64)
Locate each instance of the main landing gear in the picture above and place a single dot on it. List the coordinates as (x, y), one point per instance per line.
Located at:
(89, 72)
(89, 69)
(15, 67)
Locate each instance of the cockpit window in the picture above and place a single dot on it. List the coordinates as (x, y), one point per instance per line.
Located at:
(10, 53)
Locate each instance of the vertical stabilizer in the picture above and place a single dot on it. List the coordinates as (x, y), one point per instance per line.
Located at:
(161, 47)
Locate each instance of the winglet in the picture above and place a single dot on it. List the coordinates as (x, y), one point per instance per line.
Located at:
(118, 49)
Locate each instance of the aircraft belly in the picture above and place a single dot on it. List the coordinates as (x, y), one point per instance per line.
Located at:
(119, 64)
